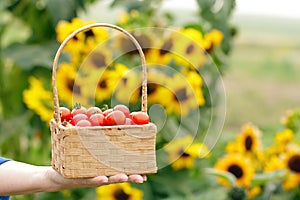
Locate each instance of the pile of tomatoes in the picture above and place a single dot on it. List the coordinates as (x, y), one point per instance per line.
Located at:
(94, 116)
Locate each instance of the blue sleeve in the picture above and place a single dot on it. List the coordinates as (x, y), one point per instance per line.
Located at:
(3, 160)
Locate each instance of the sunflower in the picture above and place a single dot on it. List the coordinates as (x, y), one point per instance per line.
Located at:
(95, 37)
(126, 18)
(123, 18)
(178, 96)
(273, 163)
(292, 164)
(249, 139)
(189, 47)
(253, 192)
(238, 166)
(69, 85)
(119, 191)
(233, 147)
(161, 52)
(195, 80)
(82, 43)
(158, 56)
(182, 152)
(214, 38)
(37, 98)
(108, 81)
(284, 137)
(155, 81)
(65, 28)
(125, 44)
(127, 87)
(97, 59)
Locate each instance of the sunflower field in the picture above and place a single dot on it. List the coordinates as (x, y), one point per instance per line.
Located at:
(186, 97)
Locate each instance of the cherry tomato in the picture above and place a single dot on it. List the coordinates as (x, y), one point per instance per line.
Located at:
(140, 117)
(122, 108)
(129, 121)
(97, 119)
(83, 123)
(115, 117)
(106, 112)
(65, 114)
(93, 110)
(79, 110)
(78, 117)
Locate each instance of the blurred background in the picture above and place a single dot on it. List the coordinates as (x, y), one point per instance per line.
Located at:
(263, 72)
(256, 46)
(263, 77)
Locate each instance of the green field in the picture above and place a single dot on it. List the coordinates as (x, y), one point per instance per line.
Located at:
(263, 78)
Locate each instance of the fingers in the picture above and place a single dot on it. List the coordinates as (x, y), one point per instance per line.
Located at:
(136, 178)
(124, 178)
(144, 177)
(118, 178)
(100, 179)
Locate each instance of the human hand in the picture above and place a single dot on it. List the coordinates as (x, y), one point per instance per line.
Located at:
(58, 182)
(21, 178)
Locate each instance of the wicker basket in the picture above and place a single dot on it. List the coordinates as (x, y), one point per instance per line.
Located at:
(81, 152)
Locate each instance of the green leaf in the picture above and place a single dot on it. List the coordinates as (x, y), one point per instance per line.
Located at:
(226, 175)
(29, 56)
(58, 10)
(14, 126)
(261, 179)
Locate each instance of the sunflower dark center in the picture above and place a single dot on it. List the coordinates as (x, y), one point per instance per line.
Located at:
(294, 163)
(248, 143)
(121, 195)
(182, 153)
(98, 60)
(181, 95)
(190, 49)
(129, 48)
(126, 45)
(124, 81)
(236, 170)
(73, 87)
(103, 84)
(89, 33)
(151, 88)
(75, 38)
(166, 47)
(144, 41)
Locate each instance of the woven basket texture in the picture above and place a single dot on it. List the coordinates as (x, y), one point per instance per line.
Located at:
(89, 152)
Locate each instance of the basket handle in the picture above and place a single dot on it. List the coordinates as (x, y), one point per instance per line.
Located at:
(84, 28)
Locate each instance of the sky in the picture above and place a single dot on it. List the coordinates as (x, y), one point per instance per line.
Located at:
(281, 8)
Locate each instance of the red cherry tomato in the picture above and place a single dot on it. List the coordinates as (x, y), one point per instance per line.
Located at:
(140, 117)
(79, 110)
(83, 123)
(122, 108)
(78, 117)
(115, 117)
(129, 121)
(65, 114)
(106, 112)
(97, 119)
(93, 110)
